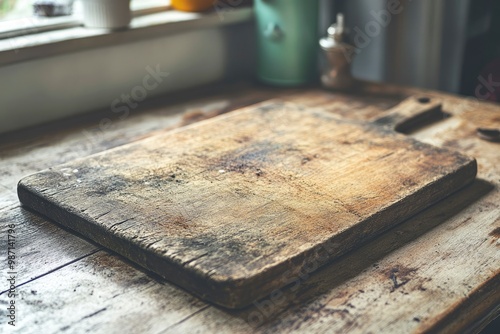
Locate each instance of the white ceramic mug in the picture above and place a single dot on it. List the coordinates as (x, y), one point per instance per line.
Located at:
(108, 14)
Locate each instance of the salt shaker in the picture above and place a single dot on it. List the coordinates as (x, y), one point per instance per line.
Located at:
(339, 52)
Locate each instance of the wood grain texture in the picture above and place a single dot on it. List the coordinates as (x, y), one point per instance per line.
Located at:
(234, 207)
(7, 197)
(41, 245)
(128, 294)
(453, 244)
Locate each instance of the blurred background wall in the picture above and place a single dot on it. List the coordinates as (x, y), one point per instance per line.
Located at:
(449, 45)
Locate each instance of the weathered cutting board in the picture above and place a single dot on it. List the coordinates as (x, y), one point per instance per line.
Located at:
(236, 207)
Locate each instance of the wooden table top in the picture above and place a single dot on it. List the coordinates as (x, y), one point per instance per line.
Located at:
(438, 271)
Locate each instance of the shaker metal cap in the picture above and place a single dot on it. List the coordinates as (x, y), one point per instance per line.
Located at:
(338, 34)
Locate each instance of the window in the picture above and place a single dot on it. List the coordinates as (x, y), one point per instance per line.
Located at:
(14, 9)
(17, 16)
(144, 4)
(17, 9)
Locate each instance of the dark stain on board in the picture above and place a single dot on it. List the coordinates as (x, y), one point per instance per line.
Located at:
(495, 233)
(112, 183)
(234, 249)
(399, 276)
(268, 107)
(243, 139)
(247, 159)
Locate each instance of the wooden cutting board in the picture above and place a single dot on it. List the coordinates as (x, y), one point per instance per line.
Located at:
(238, 206)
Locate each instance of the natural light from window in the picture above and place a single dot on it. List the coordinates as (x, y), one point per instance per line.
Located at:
(22, 9)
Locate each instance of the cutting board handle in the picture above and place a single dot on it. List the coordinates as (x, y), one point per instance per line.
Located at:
(413, 110)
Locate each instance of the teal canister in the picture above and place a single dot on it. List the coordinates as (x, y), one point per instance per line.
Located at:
(287, 39)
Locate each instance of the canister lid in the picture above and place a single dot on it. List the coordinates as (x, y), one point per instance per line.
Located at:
(338, 35)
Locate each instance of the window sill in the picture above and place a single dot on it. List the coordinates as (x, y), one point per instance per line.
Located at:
(73, 38)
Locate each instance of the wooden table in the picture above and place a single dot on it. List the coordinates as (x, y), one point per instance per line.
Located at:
(439, 271)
